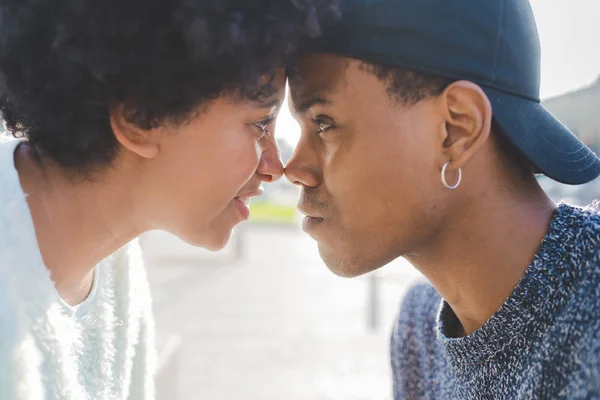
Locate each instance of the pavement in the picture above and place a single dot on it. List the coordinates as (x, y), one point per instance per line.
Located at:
(266, 320)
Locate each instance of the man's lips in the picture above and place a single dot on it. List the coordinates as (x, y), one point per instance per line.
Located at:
(304, 209)
(312, 219)
(309, 224)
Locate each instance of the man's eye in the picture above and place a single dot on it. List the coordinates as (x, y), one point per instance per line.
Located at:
(322, 126)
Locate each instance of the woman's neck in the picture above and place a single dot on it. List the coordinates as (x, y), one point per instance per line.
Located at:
(78, 223)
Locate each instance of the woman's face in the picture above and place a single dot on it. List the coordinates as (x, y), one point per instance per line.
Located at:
(207, 170)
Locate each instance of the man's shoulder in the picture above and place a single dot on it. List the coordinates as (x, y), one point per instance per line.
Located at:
(420, 304)
(589, 220)
(583, 240)
(585, 381)
(416, 322)
(413, 347)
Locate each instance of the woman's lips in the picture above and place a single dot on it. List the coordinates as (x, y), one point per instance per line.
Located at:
(242, 205)
(242, 201)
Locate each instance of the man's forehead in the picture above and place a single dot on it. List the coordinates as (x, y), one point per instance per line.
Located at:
(317, 74)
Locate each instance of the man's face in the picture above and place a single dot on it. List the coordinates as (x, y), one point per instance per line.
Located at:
(368, 167)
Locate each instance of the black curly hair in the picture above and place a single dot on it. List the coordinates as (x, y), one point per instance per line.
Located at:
(64, 64)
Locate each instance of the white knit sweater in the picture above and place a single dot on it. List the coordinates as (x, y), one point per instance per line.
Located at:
(47, 351)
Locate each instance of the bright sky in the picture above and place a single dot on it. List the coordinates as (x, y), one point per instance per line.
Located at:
(570, 36)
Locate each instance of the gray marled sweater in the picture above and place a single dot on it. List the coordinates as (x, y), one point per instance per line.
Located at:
(543, 343)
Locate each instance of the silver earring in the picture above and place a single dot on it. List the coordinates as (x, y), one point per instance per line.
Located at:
(444, 177)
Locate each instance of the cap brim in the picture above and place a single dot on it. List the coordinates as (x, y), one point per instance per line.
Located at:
(548, 144)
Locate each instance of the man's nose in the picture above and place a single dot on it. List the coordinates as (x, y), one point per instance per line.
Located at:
(302, 168)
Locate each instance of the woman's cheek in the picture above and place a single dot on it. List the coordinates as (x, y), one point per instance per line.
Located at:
(246, 162)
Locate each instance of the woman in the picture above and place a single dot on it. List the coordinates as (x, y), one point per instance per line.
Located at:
(130, 116)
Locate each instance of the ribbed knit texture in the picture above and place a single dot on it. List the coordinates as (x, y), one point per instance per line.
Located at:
(543, 343)
(104, 351)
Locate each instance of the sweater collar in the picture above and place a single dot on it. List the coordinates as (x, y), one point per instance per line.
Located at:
(544, 289)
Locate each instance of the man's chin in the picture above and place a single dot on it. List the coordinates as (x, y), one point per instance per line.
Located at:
(343, 265)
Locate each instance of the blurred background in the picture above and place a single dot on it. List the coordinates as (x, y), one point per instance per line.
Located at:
(264, 319)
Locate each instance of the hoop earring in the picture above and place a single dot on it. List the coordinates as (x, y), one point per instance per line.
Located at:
(444, 177)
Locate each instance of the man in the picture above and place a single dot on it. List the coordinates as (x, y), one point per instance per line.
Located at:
(421, 136)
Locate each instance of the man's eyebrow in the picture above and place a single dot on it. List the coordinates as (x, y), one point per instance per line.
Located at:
(307, 104)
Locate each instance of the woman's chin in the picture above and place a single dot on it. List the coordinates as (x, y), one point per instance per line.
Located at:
(216, 245)
(213, 236)
(213, 240)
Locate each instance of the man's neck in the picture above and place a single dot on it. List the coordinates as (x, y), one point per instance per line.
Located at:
(77, 223)
(484, 252)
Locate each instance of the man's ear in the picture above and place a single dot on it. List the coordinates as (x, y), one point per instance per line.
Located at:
(468, 115)
(141, 142)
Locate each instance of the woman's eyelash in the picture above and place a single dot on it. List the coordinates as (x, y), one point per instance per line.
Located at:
(262, 125)
(266, 122)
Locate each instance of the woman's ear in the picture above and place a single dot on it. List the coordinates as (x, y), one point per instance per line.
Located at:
(468, 115)
(141, 142)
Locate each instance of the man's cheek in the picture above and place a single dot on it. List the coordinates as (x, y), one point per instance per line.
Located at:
(352, 197)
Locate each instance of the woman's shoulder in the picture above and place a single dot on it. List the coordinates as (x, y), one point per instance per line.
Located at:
(124, 274)
(10, 187)
(8, 145)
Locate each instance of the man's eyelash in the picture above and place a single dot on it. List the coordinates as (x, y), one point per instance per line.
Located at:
(323, 126)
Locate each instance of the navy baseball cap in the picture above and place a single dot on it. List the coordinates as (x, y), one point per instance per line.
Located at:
(493, 43)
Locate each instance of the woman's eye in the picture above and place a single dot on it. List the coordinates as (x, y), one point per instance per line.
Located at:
(264, 130)
(263, 125)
